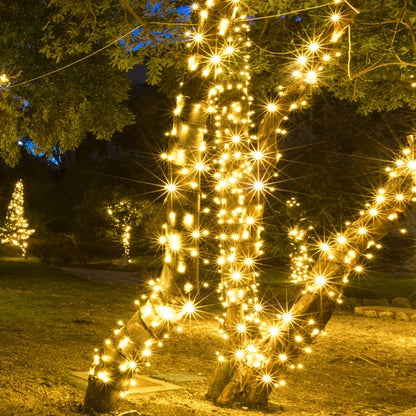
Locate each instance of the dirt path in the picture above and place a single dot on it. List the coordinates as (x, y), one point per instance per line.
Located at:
(124, 278)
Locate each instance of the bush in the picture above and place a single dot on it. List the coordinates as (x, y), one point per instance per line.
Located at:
(100, 249)
(52, 248)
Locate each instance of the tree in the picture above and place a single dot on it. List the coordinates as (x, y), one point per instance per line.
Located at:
(125, 216)
(16, 229)
(214, 145)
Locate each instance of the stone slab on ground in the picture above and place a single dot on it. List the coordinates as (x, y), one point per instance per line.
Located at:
(387, 312)
(144, 384)
(409, 412)
(179, 377)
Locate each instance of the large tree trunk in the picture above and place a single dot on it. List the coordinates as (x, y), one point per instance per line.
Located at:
(215, 127)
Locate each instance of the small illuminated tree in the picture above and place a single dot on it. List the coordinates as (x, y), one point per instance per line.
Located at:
(16, 229)
(125, 215)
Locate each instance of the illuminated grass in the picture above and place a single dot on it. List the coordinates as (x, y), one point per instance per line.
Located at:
(51, 304)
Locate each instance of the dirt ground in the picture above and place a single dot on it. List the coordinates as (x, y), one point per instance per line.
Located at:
(363, 366)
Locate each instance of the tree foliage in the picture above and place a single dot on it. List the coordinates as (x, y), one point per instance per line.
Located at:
(375, 67)
(62, 108)
(378, 64)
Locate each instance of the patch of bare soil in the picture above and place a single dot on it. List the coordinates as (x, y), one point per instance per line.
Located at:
(362, 367)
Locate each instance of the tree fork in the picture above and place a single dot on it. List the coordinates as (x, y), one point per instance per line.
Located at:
(324, 288)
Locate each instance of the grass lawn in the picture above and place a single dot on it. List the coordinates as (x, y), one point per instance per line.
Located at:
(51, 321)
(375, 284)
(383, 285)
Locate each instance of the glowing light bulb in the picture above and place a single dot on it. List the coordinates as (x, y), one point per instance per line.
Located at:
(124, 342)
(313, 47)
(248, 261)
(251, 348)
(174, 242)
(198, 37)
(274, 331)
(188, 220)
(271, 107)
(236, 276)
(4, 78)
(324, 247)
(103, 376)
(192, 63)
(258, 185)
(266, 378)
(199, 166)
(302, 60)
(412, 164)
(320, 280)
(258, 307)
(287, 317)
(215, 59)
(311, 77)
(188, 287)
(170, 187)
(241, 328)
(223, 26)
(189, 308)
(373, 212)
(229, 50)
(341, 239)
(258, 155)
(239, 354)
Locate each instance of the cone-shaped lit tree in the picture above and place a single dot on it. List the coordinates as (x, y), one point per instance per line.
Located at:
(16, 229)
(220, 167)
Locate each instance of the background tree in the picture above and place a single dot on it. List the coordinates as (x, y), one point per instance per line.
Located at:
(125, 216)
